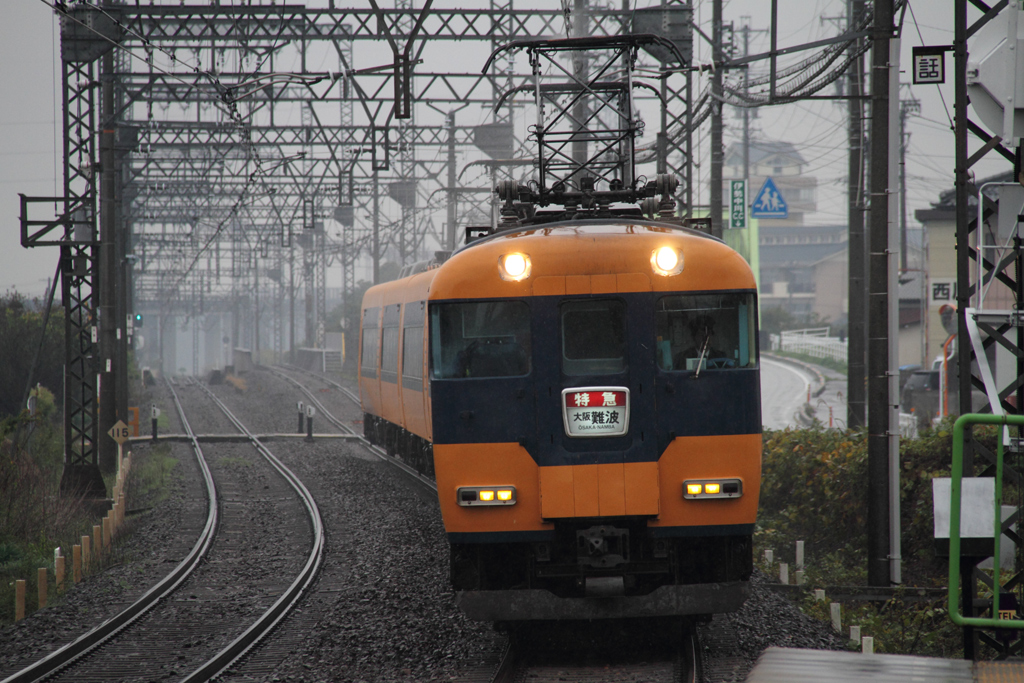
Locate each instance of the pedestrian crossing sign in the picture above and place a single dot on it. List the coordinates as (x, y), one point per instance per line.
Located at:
(768, 203)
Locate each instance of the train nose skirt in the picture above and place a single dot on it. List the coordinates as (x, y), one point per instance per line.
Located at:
(605, 586)
(666, 601)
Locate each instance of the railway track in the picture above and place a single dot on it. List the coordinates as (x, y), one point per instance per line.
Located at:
(609, 652)
(345, 428)
(179, 627)
(548, 658)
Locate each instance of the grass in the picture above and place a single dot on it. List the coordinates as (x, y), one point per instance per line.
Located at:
(151, 476)
(35, 517)
(838, 366)
(814, 488)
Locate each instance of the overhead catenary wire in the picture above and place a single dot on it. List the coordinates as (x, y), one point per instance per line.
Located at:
(226, 101)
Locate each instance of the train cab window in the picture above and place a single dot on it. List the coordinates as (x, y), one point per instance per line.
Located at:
(479, 339)
(706, 331)
(593, 337)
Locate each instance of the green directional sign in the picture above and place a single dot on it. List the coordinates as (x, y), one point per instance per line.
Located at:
(738, 204)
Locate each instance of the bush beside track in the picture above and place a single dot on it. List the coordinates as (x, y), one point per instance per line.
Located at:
(814, 488)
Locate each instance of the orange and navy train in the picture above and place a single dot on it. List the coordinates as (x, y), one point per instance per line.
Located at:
(586, 395)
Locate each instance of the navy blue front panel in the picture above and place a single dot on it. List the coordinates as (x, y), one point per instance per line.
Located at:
(715, 402)
(553, 446)
(528, 409)
(483, 410)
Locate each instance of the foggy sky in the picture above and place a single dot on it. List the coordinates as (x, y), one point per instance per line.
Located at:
(31, 135)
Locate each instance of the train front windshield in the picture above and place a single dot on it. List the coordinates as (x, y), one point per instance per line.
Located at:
(480, 339)
(706, 331)
(593, 337)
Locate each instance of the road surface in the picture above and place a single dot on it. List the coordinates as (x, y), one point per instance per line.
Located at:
(784, 393)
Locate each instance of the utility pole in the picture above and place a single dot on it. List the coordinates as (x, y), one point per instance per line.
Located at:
(856, 248)
(256, 308)
(878, 303)
(291, 294)
(376, 226)
(908, 108)
(452, 190)
(108, 267)
(746, 110)
(717, 154)
(581, 70)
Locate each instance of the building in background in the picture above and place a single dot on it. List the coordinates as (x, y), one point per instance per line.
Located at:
(803, 270)
(940, 230)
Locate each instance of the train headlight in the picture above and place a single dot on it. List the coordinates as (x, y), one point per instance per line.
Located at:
(514, 267)
(697, 489)
(667, 261)
(473, 496)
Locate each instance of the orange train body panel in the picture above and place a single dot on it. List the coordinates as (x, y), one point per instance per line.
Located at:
(609, 490)
(709, 457)
(399, 405)
(557, 253)
(488, 464)
(620, 499)
(648, 489)
(391, 403)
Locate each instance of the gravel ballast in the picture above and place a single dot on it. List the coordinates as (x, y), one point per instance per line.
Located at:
(382, 608)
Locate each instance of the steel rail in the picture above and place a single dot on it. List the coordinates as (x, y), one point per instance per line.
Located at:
(93, 639)
(313, 399)
(298, 588)
(509, 665)
(349, 394)
(516, 660)
(512, 659)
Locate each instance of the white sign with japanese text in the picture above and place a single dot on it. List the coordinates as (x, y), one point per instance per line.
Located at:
(941, 290)
(595, 411)
(737, 204)
(930, 64)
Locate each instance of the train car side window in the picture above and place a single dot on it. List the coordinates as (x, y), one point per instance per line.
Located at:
(412, 346)
(480, 339)
(370, 343)
(593, 337)
(389, 343)
(706, 331)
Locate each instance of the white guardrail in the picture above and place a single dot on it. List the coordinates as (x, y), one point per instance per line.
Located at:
(814, 342)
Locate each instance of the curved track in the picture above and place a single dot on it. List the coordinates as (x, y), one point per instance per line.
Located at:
(269, 619)
(97, 637)
(124, 647)
(323, 411)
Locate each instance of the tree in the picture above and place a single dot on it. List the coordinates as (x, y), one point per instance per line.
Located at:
(21, 323)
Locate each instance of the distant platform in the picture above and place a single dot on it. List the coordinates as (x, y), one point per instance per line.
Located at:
(785, 665)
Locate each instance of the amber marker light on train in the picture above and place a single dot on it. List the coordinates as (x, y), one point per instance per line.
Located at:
(473, 496)
(667, 261)
(514, 267)
(699, 489)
